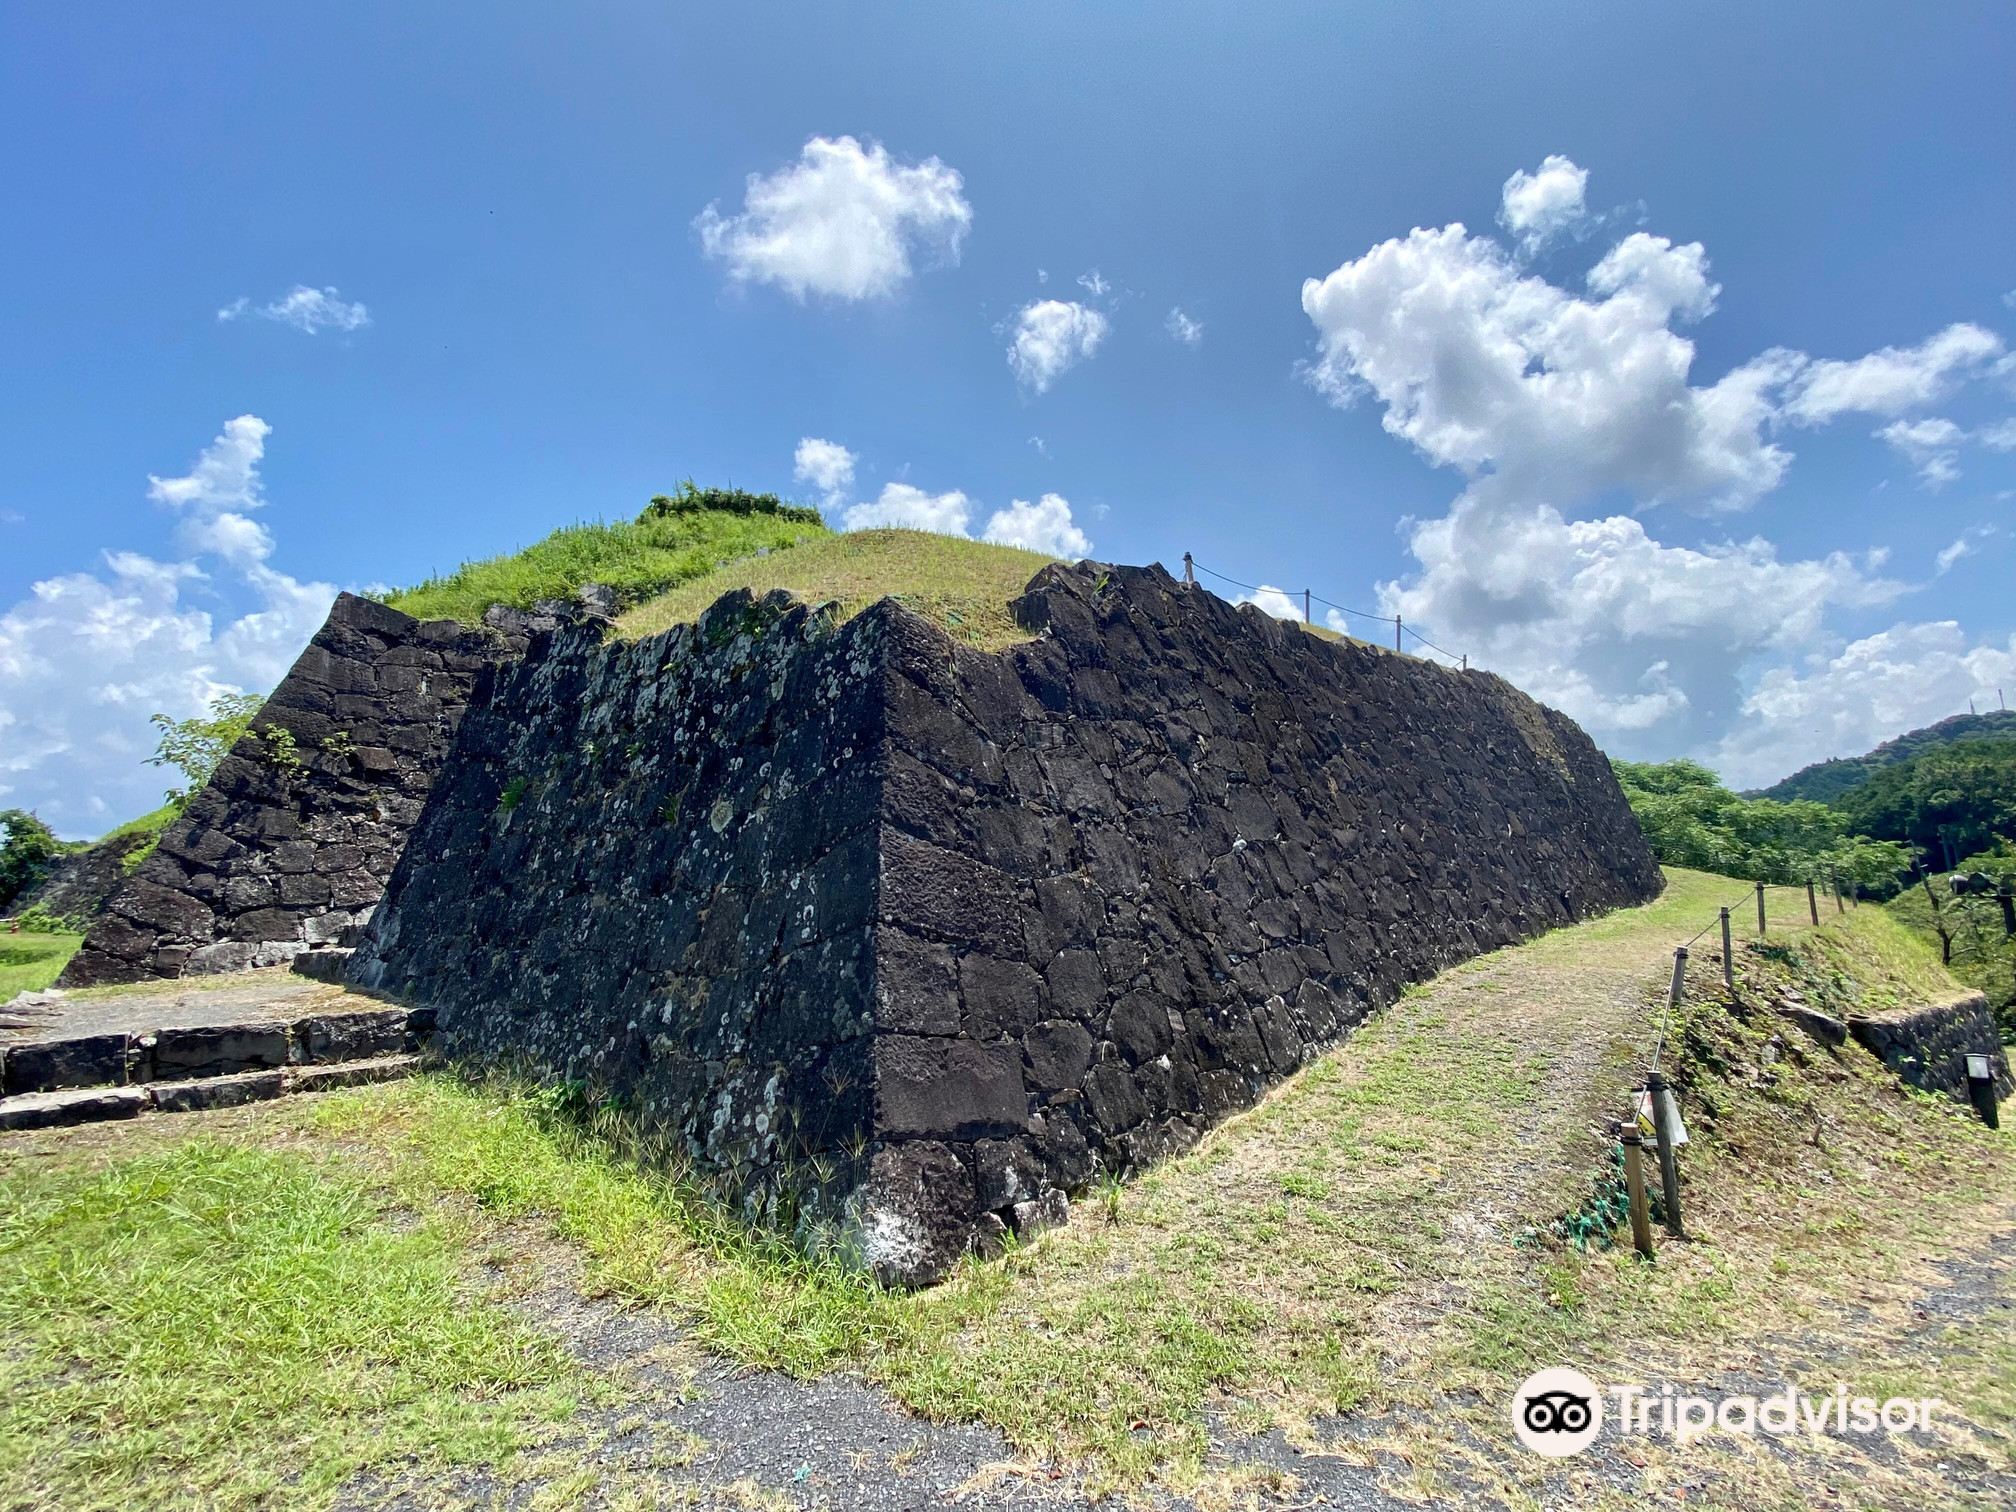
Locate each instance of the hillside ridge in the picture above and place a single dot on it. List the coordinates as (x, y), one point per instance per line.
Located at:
(1825, 781)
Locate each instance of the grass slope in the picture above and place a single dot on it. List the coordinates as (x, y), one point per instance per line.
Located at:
(639, 559)
(964, 586)
(1373, 1235)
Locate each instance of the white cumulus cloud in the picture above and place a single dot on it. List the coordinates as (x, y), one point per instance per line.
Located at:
(827, 466)
(1183, 328)
(1272, 600)
(1891, 380)
(1536, 207)
(846, 220)
(305, 309)
(1044, 526)
(86, 657)
(1933, 445)
(1479, 364)
(1052, 336)
(1842, 703)
(905, 507)
(1554, 402)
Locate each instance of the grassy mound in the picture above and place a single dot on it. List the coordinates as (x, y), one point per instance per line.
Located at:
(965, 586)
(639, 559)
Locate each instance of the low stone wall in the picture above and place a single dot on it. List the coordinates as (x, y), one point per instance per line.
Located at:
(924, 937)
(284, 849)
(1928, 1047)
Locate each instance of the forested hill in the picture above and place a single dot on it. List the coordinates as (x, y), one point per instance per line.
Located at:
(1825, 781)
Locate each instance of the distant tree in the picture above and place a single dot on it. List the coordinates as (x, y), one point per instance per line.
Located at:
(1948, 802)
(194, 747)
(1691, 819)
(27, 846)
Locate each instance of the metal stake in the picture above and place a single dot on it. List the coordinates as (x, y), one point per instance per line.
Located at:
(1669, 1155)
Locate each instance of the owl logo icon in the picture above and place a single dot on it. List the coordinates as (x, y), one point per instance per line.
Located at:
(1557, 1412)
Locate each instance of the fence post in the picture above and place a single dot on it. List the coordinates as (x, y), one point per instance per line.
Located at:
(1396, 632)
(1189, 572)
(1466, 661)
(1634, 1187)
(1812, 903)
(1728, 956)
(1305, 608)
(1760, 910)
(1839, 906)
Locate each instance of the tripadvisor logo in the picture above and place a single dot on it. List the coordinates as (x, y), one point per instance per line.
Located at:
(1558, 1412)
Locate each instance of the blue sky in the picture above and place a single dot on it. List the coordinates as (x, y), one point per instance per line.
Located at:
(1622, 438)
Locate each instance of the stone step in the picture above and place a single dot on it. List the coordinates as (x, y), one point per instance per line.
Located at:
(84, 1105)
(181, 1054)
(324, 965)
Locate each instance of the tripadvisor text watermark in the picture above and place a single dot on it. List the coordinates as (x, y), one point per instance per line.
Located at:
(1559, 1412)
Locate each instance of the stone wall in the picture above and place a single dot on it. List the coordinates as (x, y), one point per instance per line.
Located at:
(79, 883)
(928, 936)
(1928, 1047)
(282, 850)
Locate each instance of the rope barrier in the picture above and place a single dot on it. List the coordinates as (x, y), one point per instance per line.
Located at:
(1310, 597)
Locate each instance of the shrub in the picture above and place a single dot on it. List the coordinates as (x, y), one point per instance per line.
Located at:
(691, 500)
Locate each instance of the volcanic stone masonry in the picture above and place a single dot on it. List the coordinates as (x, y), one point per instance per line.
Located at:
(1928, 1046)
(289, 844)
(902, 942)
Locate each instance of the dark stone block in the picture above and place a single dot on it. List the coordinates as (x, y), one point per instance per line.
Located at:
(216, 1092)
(949, 1088)
(1058, 1054)
(348, 1036)
(218, 1049)
(58, 1110)
(92, 1060)
(1000, 997)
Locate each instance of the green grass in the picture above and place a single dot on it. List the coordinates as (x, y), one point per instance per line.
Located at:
(963, 586)
(30, 962)
(638, 559)
(208, 1325)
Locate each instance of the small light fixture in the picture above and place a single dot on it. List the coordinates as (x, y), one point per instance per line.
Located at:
(1980, 1068)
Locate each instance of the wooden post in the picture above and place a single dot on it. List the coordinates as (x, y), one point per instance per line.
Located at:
(1839, 906)
(1812, 903)
(1669, 1153)
(1189, 572)
(1466, 661)
(1305, 607)
(1396, 632)
(1634, 1188)
(1760, 910)
(1728, 956)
